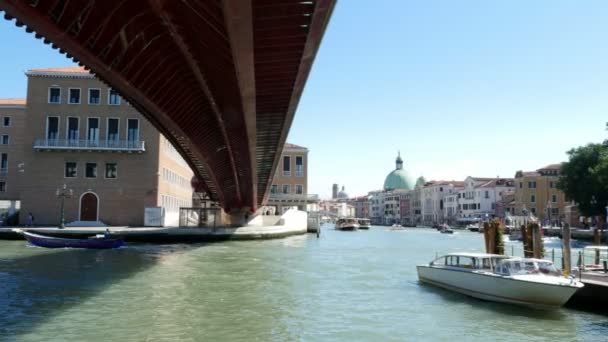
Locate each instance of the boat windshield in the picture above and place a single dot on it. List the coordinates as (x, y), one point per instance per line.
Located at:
(526, 266)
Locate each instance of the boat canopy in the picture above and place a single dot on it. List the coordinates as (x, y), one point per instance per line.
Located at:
(521, 266)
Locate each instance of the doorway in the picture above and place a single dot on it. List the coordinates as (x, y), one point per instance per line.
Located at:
(89, 205)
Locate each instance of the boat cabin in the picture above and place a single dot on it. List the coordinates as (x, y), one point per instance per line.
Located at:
(471, 261)
(523, 266)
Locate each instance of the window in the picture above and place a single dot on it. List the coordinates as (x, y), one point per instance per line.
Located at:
(274, 189)
(487, 194)
(72, 133)
(286, 188)
(533, 211)
(552, 184)
(4, 162)
(2, 186)
(554, 211)
(521, 185)
(113, 97)
(70, 170)
(532, 198)
(74, 96)
(6, 121)
(299, 166)
(52, 128)
(93, 130)
(286, 166)
(54, 95)
(532, 185)
(91, 170)
(111, 170)
(554, 198)
(132, 132)
(112, 132)
(94, 96)
(5, 139)
(299, 189)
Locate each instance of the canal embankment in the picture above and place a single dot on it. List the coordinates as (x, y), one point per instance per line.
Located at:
(291, 223)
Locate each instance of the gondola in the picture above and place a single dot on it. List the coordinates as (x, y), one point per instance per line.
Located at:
(99, 241)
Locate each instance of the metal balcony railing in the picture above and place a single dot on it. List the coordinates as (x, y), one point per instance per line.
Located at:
(90, 145)
(294, 197)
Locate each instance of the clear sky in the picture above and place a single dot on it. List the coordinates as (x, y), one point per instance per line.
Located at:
(482, 88)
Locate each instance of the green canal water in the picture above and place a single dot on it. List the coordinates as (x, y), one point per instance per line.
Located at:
(344, 286)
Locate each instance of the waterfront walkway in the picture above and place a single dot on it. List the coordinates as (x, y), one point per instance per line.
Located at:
(163, 234)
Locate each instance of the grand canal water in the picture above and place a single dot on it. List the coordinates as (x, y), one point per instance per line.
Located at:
(344, 286)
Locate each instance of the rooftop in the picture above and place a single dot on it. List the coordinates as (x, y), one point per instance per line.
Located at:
(12, 102)
(552, 167)
(72, 71)
(289, 146)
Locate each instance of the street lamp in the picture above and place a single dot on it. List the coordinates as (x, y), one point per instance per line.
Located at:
(549, 212)
(63, 193)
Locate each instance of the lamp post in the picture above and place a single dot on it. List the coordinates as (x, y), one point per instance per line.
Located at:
(549, 212)
(63, 193)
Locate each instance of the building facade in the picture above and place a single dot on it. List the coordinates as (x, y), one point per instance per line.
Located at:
(12, 121)
(536, 193)
(479, 197)
(80, 138)
(289, 187)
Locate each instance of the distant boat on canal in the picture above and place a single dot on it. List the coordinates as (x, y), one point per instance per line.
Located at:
(99, 241)
(364, 223)
(530, 282)
(347, 224)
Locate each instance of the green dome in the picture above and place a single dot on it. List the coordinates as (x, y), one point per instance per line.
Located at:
(398, 179)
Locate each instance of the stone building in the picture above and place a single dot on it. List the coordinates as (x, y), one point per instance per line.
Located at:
(289, 187)
(536, 193)
(76, 132)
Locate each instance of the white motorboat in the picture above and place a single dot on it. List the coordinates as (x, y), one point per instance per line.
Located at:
(472, 227)
(523, 281)
(347, 224)
(364, 223)
(397, 226)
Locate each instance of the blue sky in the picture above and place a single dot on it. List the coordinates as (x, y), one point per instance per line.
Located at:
(480, 88)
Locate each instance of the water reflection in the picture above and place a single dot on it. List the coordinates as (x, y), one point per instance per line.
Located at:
(40, 283)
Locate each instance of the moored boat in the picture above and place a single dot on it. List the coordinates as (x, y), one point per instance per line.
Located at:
(397, 226)
(364, 223)
(445, 229)
(530, 282)
(347, 224)
(100, 241)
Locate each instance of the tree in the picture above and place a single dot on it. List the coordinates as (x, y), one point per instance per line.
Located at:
(584, 179)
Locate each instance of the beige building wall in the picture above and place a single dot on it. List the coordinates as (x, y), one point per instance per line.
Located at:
(174, 182)
(290, 176)
(289, 186)
(537, 191)
(139, 181)
(12, 121)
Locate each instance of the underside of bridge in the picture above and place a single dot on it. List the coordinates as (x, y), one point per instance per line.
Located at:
(221, 79)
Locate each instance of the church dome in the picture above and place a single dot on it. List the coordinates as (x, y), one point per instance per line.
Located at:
(398, 179)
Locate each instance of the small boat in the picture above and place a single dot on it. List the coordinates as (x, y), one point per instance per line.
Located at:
(445, 229)
(524, 281)
(397, 227)
(347, 224)
(472, 227)
(364, 223)
(99, 241)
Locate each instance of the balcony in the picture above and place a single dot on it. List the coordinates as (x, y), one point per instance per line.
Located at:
(280, 197)
(89, 145)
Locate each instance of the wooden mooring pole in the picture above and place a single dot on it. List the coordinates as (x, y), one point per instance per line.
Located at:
(566, 253)
(537, 241)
